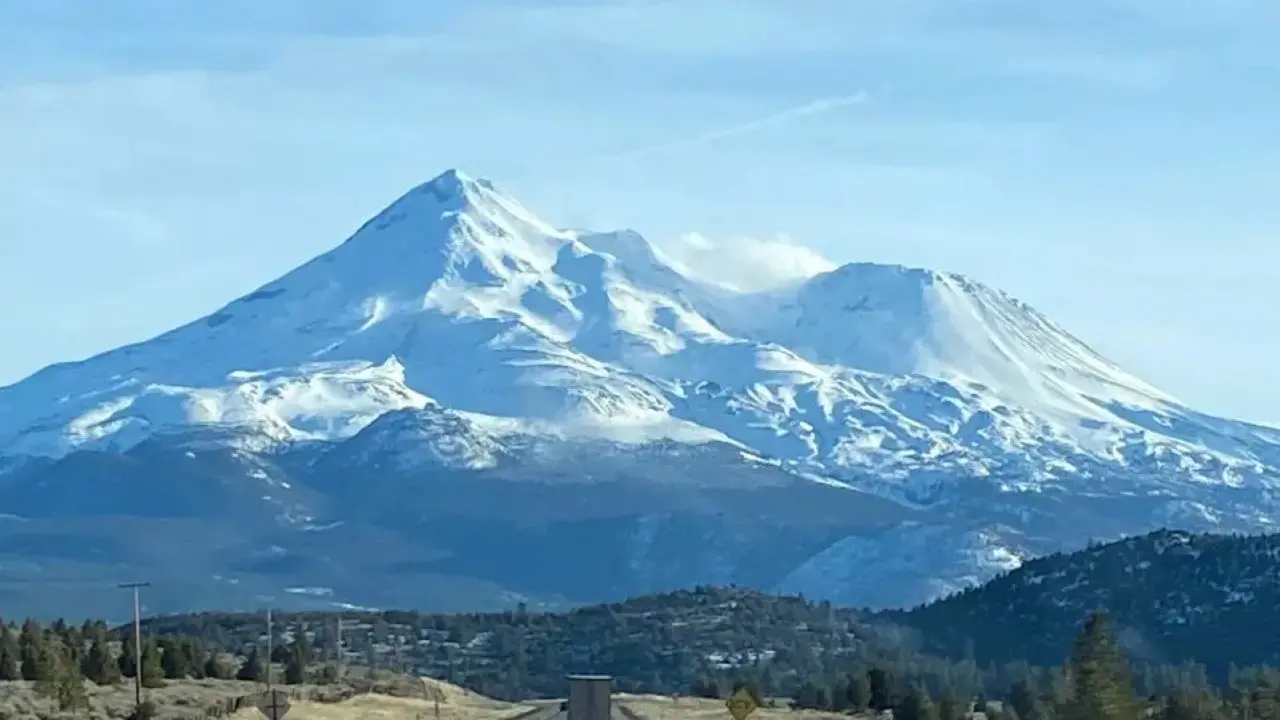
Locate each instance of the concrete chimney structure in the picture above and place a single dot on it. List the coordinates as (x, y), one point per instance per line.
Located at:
(589, 697)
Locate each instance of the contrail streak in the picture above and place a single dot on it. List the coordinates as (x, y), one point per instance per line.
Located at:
(779, 118)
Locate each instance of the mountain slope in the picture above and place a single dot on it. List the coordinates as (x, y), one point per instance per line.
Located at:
(456, 335)
(1174, 596)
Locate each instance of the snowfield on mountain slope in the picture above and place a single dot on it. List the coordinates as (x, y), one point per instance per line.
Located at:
(458, 297)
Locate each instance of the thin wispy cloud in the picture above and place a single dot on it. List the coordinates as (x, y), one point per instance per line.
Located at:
(745, 264)
(773, 120)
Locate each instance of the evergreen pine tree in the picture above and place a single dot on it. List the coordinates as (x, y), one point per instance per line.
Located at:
(8, 654)
(32, 653)
(809, 696)
(328, 674)
(858, 694)
(61, 679)
(883, 692)
(951, 707)
(308, 653)
(280, 654)
(916, 705)
(823, 699)
(194, 654)
(251, 668)
(1102, 688)
(295, 668)
(125, 662)
(766, 682)
(72, 641)
(1263, 703)
(215, 669)
(152, 667)
(173, 661)
(98, 666)
(1061, 688)
(1185, 704)
(69, 690)
(838, 690)
(706, 686)
(1024, 702)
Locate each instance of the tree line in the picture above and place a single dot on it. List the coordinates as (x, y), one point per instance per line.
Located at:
(707, 641)
(667, 643)
(1095, 683)
(59, 658)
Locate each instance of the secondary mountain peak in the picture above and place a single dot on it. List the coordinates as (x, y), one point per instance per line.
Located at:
(899, 320)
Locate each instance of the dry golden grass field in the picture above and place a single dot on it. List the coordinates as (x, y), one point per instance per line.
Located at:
(397, 698)
(452, 702)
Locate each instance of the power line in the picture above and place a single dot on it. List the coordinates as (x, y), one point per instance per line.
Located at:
(58, 581)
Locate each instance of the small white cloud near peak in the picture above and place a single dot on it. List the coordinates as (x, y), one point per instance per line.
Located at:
(746, 264)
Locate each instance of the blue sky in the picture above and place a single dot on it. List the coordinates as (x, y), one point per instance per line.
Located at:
(1112, 163)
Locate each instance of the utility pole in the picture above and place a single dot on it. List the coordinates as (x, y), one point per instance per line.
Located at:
(268, 662)
(137, 640)
(340, 650)
(835, 636)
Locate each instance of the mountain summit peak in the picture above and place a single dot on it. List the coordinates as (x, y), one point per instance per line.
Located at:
(456, 183)
(451, 191)
(449, 207)
(452, 175)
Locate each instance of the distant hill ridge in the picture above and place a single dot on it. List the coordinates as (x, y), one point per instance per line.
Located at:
(1173, 597)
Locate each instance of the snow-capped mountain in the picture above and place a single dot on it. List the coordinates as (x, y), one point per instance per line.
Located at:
(456, 332)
